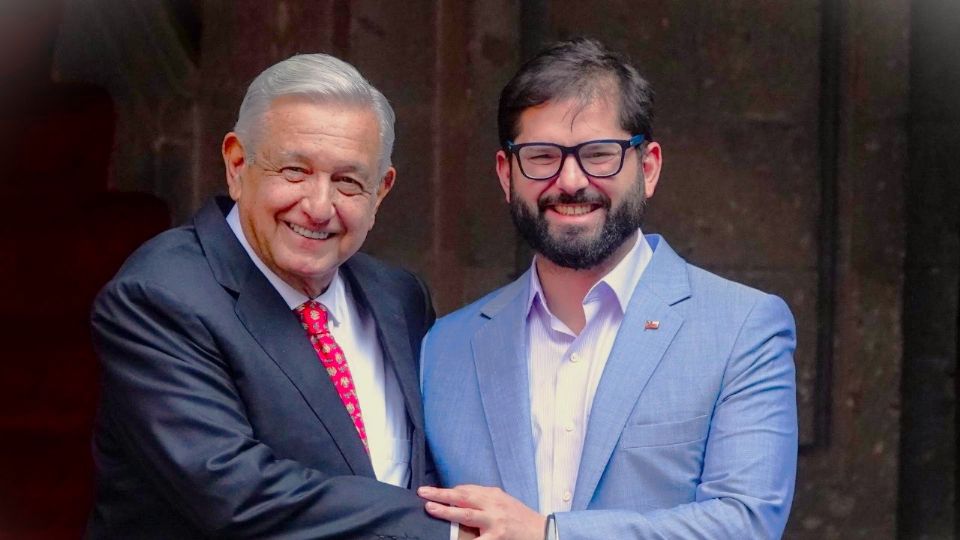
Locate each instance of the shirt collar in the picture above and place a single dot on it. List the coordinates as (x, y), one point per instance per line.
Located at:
(333, 298)
(621, 280)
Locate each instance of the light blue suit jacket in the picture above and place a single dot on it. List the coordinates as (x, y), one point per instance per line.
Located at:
(693, 431)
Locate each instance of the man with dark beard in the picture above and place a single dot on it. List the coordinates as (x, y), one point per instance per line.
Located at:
(613, 390)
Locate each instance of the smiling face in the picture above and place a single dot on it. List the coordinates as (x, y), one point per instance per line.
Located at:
(574, 220)
(309, 192)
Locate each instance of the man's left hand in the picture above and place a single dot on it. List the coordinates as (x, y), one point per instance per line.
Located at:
(497, 515)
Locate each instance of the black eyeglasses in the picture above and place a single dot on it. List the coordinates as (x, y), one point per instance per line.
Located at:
(599, 159)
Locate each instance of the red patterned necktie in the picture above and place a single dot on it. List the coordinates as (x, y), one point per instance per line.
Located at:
(313, 316)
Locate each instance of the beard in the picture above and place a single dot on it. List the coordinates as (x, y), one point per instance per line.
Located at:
(574, 247)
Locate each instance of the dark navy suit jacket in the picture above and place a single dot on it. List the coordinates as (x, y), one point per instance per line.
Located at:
(216, 417)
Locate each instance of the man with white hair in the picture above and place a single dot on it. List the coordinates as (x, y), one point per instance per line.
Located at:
(259, 375)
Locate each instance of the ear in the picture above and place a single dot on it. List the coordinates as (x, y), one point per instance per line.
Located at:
(234, 161)
(386, 184)
(503, 173)
(652, 162)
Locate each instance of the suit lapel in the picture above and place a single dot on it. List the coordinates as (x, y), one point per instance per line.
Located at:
(277, 329)
(636, 353)
(392, 332)
(499, 353)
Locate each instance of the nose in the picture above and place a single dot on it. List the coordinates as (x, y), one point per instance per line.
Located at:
(317, 200)
(571, 177)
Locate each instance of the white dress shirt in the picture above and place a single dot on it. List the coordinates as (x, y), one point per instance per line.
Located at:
(353, 328)
(565, 370)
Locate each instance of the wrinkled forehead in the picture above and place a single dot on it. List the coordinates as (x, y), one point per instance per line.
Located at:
(290, 108)
(334, 119)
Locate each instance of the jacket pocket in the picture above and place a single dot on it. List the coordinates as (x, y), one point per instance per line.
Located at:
(667, 433)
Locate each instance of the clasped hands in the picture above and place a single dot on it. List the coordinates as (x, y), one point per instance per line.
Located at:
(489, 510)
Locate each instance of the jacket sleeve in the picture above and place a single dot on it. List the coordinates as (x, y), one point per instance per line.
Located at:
(171, 404)
(750, 459)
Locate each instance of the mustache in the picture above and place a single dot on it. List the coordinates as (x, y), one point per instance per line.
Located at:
(580, 197)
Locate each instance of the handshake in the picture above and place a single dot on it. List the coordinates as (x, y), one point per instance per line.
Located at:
(485, 511)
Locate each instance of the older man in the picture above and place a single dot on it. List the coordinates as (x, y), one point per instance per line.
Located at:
(259, 374)
(613, 390)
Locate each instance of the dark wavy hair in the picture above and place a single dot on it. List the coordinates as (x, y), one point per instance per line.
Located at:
(582, 69)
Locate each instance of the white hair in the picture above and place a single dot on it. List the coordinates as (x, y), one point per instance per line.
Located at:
(318, 77)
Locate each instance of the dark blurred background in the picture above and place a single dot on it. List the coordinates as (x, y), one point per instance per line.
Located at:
(812, 149)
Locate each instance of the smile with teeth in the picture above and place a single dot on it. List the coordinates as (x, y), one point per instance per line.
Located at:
(573, 209)
(303, 231)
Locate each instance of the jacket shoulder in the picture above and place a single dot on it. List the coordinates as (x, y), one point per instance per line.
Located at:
(170, 258)
(170, 273)
(704, 281)
(728, 300)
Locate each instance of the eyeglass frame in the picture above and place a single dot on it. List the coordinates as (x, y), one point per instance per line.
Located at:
(632, 142)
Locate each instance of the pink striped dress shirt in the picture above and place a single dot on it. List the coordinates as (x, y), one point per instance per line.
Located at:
(565, 370)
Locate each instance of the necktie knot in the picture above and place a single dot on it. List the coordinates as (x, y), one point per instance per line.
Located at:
(313, 317)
